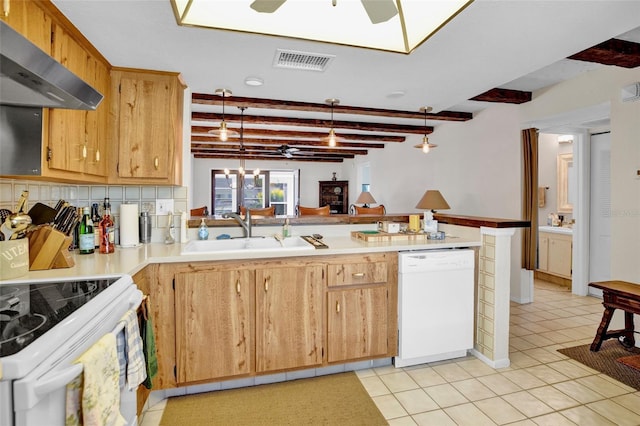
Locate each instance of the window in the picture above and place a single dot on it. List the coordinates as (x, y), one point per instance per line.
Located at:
(229, 192)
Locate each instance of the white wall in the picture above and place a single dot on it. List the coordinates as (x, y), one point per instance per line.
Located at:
(591, 89)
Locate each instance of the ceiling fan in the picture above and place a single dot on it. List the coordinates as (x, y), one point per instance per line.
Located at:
(378, 10)
(287, 150)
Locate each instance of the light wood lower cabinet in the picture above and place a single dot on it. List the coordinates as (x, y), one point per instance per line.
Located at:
(289, 317)
(357, 323)
(213, 324)
(221, 320)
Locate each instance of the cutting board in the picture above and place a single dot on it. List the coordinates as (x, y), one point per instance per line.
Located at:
(379, 236)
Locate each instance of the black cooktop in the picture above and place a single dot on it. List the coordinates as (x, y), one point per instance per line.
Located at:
(27, 311)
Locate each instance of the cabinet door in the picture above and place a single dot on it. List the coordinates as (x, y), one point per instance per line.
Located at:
(97, 121)
(560, 255)
(289, 317)
(213, 324)
(147, 126)
(68, 137)
(29, 20)
(357, 323)
(543, 252)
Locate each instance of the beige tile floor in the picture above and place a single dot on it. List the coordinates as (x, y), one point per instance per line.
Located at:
(541, 387)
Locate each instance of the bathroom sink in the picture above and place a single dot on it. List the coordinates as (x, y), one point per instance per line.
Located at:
(245, 245)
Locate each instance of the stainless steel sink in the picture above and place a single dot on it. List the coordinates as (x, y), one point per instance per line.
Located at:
(245, 245)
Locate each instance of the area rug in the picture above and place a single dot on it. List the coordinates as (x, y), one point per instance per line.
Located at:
(337, 399)
(632, 361)
(605, 361)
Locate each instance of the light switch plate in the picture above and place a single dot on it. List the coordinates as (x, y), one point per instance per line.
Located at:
(164, 207)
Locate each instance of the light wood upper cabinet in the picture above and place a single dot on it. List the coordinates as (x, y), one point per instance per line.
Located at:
(289, 317)
(213, 324)
(147, 110)
(30, 20)
(78, 138)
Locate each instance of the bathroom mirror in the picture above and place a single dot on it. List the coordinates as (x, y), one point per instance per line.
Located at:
(565, 184)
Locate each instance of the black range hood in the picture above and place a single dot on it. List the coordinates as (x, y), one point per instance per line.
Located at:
(30, 77)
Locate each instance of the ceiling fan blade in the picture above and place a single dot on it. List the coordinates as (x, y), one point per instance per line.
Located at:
(379, 10)
(266, 6)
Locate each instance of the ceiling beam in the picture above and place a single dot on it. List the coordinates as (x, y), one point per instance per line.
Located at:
(505, 96)
(213, 141)
(235, 149)
(267, 158)
(273, 104)
(296, 135)
(617, 52)
(309, 122)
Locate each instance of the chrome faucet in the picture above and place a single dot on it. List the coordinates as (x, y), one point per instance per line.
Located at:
(246, 224)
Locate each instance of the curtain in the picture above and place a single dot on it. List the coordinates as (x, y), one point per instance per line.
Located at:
(530, 197)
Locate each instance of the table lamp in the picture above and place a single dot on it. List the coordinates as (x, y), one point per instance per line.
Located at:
(365, 198)
(431, 200)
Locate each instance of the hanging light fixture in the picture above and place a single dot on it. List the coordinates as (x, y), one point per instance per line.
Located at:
(222, 132)
(425, 146)
(242, 164)
(331, 138)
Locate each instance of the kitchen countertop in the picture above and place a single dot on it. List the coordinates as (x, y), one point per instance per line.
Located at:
(131, 260)
(556, 230)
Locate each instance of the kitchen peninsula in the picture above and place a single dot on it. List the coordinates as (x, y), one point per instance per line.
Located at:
(303, 291)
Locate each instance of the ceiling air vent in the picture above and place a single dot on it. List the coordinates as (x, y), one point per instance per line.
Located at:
(301, 60)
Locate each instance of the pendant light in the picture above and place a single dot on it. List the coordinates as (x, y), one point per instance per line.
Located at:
(425, 145)
(223, 132)
(241, 168)
(331, 138)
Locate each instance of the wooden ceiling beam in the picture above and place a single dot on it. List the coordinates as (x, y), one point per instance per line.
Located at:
(297, 135)
(196, 147)
(280, 158)
(274, 104)
(621, 53)
(310, 122)
(505, 96)
(212, 141)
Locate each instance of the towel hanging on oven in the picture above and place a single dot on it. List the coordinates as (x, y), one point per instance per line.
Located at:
(136, 366)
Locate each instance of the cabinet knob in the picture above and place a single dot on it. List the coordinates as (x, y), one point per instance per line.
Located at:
(97, 156)
(337, 307)
(358, 275)
(266, 284)
(6, 5)
(84, 151)
(156, 163)
(238, 286)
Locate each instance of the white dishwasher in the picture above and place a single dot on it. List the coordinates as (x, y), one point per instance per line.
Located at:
(435, 305)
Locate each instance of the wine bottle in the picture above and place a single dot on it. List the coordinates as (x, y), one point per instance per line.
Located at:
(95, 218)
(86, 238)
(107, 230)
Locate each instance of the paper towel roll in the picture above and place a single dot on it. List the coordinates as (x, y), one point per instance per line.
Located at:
(129, 225)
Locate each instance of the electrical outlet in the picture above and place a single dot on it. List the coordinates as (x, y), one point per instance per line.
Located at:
(164, 207)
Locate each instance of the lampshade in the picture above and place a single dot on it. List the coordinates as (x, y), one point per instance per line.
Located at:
(365, 198)
(432, 200)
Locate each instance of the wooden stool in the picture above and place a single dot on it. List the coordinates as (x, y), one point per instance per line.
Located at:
(617, 295)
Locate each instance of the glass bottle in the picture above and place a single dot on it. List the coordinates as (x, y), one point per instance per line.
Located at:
(86, 238)
(286, 229)
(107, 230)
(95, 218)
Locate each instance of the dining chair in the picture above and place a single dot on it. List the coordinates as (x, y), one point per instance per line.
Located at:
(313, 211)
(370, 210)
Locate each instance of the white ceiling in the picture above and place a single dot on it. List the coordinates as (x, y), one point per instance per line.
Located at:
(514, 44)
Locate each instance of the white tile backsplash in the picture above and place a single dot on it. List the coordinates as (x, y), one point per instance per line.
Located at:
(84, 195)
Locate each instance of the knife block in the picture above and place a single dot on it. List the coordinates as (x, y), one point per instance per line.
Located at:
(49, 249)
